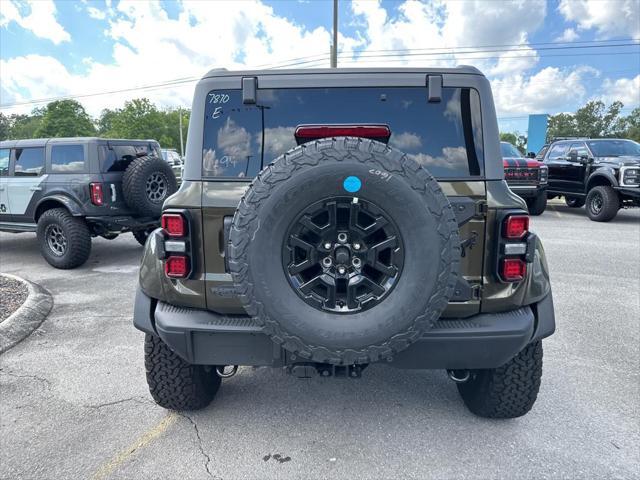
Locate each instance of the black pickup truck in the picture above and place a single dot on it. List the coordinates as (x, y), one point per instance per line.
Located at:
(603, 174)
(526, 177)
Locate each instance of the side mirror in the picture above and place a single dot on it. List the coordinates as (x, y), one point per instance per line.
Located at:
(586, 160)
(573, 156)
(531, 155)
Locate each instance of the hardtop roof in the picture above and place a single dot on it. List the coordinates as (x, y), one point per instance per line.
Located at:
(41, 142)
(223, 72)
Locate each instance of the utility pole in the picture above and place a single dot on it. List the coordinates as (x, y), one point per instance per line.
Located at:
(180, 123)
(334, 45)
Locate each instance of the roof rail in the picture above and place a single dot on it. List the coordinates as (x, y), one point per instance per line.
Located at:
(557, 139)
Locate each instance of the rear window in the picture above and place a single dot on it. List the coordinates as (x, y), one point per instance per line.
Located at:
(116, 158)
(445, 137)
(67, 158)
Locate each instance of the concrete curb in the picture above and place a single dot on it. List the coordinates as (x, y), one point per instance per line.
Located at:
(28, 317)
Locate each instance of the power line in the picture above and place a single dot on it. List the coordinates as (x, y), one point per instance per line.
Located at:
(365, 50)
(186, 80)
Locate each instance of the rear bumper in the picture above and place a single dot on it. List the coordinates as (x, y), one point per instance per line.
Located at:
(481, 341)
(121, 223)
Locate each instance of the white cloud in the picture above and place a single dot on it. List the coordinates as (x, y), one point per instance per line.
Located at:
(625, 90)
(40, 20)
(151, 48)
(96, 13)
(548, 91)
(406, 141)
(610, 18)
(464, 26)
(569, 35)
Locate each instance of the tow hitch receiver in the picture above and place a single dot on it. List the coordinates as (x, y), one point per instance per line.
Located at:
(310, 370)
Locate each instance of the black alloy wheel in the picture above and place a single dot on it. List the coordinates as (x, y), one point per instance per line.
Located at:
(157, 187)
(596, 203)
(343, 255)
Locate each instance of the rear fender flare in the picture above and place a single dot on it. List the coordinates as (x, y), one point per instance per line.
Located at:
(57, 201)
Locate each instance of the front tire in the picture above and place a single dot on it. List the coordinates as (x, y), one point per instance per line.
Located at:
(173, 383)
(603, 204)
(538, 204)
(65, 240)
(508, 391)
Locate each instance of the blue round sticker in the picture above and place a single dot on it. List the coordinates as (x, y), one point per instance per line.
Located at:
(352, 184)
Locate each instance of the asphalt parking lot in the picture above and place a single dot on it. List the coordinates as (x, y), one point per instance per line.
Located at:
(74, 402)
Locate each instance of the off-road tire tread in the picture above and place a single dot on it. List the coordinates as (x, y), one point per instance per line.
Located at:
(246, 222)
(610, 207)
(134, 185)
(538, 204)
(173, 383)
(78, 238)
(508, 391)
(141, 236)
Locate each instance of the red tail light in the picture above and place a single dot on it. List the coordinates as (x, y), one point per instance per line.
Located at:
(513, 269)
(309, 132)
(174, 224)
(177, 266)
(96, 194)
(516, 227)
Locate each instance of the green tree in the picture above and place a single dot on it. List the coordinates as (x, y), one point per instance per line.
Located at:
(25, 126)
(140, 118)
(104, 123)
(632, 124)
(594, 120)
(5, 127)
(517, 140)
(65, 118)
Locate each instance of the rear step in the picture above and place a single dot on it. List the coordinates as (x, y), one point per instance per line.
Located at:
(206, 338)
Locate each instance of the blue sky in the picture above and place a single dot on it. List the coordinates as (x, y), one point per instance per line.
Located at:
(53, 48)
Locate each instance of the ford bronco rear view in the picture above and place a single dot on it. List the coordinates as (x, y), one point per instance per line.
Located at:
(332, 219)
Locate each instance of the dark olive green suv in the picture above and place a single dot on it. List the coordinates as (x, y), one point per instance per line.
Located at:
(331, 219)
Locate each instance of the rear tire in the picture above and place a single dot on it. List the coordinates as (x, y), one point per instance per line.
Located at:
(538, 204)
(508, 391)
(141, 236)
(65, 240)
(574, 202)
(173, 383)
(603, 204)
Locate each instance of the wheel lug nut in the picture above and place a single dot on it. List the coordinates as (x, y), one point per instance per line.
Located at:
(356, 262)
(342, 237)
(327, 245)
(326, 261)
(342, 270)
(356, 246)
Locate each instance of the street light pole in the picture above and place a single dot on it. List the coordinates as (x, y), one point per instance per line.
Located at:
(334, 45)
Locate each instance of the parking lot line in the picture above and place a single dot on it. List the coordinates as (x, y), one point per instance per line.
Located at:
(145, 439)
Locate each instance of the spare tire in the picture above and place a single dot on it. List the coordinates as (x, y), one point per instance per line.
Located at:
(147, 183)
(345, 250)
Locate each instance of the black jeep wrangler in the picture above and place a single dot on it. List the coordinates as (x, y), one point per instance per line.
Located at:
(331, 219)
(70, 189)
(603, 173)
